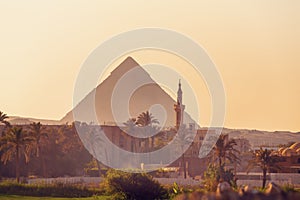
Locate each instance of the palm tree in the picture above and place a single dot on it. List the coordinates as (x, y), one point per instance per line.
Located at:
(3, 118)
(131, 128)
(13, 144)
(38, 133)
(145, 122)
(224, 149)
(97, 146)
(264, 159)
(183, 140)
(146, 119)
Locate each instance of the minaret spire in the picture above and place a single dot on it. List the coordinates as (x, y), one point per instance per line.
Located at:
(179, 93)
(179, 107)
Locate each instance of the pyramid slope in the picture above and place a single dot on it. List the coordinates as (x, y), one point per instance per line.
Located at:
(141, 100)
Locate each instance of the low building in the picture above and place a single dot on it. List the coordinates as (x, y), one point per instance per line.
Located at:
(289, 158)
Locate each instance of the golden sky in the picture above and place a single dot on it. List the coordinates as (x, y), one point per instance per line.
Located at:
(255, 45)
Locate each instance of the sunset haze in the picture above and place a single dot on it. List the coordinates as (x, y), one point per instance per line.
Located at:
(255, 46)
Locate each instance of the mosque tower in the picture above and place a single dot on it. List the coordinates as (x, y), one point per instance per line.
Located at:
(179, 107)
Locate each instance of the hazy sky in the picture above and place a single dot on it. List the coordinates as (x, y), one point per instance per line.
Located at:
(254, 44)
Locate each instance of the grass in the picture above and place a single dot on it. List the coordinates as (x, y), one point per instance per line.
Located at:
(16, 197)
(47, 190)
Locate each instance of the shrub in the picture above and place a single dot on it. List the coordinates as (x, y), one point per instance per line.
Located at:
(212, 177)
(177, 190)
(124, 185)
(288, 188)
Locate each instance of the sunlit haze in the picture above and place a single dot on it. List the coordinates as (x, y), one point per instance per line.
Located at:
(254, 44)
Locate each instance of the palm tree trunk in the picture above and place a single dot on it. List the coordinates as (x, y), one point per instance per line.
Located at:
(97, 162)
(38, 150)
(264, 178)
(17, 164)
(220, 168)
(44, 170)
(152, 143)
(99, 167)
(147, 144)
(184, 166)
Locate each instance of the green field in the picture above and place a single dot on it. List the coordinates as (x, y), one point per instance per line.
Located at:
(15, 197)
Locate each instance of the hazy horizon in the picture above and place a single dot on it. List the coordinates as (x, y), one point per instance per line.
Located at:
(254, 44)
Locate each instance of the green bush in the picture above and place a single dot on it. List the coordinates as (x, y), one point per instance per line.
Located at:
(212, 177)
(53, 190)
(288, 187)
(124, 185)
(177, 190)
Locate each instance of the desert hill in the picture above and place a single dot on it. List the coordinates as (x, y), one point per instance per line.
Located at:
(27, 120)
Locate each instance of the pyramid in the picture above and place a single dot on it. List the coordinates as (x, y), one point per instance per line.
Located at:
(141, 100)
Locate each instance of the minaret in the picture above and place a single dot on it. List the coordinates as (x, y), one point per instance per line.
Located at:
(179, 107)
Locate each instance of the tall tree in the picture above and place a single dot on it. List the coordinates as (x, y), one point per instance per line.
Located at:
(97, 147)
(264, 159)
(224, 149)
(130, 125)
(146, 119)
(131, 129)
(13, 144)
(38, 133)
(3, 119)
(183, 140)
(145, 122)
(71, 147)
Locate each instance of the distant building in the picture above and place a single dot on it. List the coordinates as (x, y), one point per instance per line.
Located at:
(194, 165)
(289, 158)
(242, 145)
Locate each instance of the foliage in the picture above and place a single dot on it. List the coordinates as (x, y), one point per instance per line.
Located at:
(16, 197)
(228, 176)
(224, 149)
(14, 143)
(177, 190)
(59, 152)
(125, 185)
(3, 119)
(54, 190)
(264, 159)
(288, 188)
(92, 169)
(143, 126)
(146, 119)
(37, 131)
(183, 140)
(212, 177)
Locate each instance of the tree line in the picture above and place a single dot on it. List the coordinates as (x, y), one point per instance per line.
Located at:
(56, 150)
(40, 150)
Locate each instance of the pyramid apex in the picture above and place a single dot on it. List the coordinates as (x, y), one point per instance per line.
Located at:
(130, 59)
(126, 65)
